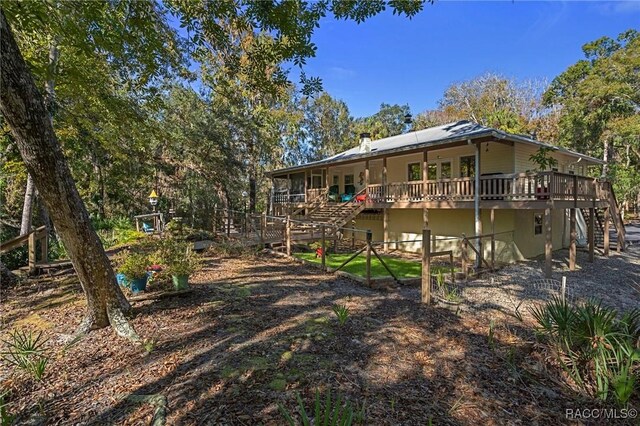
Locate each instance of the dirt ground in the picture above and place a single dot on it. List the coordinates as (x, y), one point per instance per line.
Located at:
(257, 330)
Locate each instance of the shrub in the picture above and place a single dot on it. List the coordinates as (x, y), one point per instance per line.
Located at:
(177, 256)
(342, 312)
(6, 419)
(26, 351)
(331, 413)
(134, 266)
(600, 352)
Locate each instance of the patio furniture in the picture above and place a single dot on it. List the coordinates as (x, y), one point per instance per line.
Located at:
(349, 191)
(334, 193)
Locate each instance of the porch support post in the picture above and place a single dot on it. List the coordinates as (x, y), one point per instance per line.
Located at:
(607, 219)
(425, 211)
(385, 229)
(548, 244)
(476, 205)
(326, 178)
(590, 233)
(572, 239)
(366, 177)
(493, 239)
(305, 189)
(384, 180)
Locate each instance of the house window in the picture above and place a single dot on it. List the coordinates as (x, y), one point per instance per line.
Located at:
(414, 172)
(316, 181)
(348, 180)
(432, 172)
(336, 180)
(468, 166)
(445, 170)
(537, 223)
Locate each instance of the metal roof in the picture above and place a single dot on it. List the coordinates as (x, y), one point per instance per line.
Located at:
(433, 136)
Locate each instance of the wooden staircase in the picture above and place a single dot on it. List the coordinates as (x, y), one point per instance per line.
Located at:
(616, 232)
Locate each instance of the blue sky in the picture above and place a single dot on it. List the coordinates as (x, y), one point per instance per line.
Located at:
(396, 60)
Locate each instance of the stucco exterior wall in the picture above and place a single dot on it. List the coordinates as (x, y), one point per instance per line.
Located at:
(447, 225)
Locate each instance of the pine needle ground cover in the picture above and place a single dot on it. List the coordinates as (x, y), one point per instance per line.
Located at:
(256, 333)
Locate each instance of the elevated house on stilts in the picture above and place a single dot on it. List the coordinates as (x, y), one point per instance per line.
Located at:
(458, 179)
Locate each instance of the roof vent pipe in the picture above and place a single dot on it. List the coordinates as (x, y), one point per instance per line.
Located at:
(365, 142)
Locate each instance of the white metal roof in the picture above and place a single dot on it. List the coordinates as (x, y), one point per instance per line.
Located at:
(438, 135)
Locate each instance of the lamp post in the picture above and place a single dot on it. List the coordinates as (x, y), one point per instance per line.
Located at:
(153, 200)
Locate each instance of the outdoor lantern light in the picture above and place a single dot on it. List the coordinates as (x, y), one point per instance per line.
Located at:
(153, 198)
(407, 119)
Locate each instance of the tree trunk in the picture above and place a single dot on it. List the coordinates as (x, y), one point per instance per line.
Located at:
(27, 207)
(24, 109)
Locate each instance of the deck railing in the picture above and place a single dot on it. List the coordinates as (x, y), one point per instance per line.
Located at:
(501, 187)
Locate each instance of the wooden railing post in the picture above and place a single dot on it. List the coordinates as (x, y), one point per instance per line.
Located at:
(288, 235)
(605, 231)
(32, 252)
(426, 266)
(368, 251)
(591, 233)
(324, 248)
(44, 247)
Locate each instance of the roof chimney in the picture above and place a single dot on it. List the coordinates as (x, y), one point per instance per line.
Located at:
(365, 142)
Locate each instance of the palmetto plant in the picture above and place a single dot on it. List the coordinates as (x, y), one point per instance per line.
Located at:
(598, 350)
(26, 351)
(330, 413)
(342, 312)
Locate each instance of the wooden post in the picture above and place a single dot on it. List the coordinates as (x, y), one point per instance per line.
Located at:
(385, 229)
(572, 239)
(137, 224)
(384, 180)
(324, 248)
(368, 268)
(476, 205)
(366, 178)
(425, 176)
(263, 226)
(426, 266)
(493, 239)
(288, 235)
(32, 252)
(607, 219)
(563, 289)
(215, 220)
(548, 244)
(44, 247)
(453, 274)
(465, 267)
(353, 237)
(591, 233)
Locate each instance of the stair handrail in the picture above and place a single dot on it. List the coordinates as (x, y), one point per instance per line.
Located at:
(617, 217)
(314, 204)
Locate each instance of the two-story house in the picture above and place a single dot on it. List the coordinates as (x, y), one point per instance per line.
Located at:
(458, 178)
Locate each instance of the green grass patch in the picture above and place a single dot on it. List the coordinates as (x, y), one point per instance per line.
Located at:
(401, 267)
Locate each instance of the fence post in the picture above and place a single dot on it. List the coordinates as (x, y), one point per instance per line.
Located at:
(263, 225)
(369, 237)
(564, 289)
(215, 220)
(32, 252)
(324, 249)
(288, 234)
(465, 267)
(426, 266)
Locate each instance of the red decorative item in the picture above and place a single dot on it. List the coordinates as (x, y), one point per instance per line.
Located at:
(361, 198)
(319, 252)
(154, 268)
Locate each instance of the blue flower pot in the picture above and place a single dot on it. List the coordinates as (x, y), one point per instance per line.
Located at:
(122, 280)
(139, 285)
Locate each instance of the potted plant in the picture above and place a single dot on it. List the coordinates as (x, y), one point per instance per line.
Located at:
(134, 268)
(180, 261)
(543, 159)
